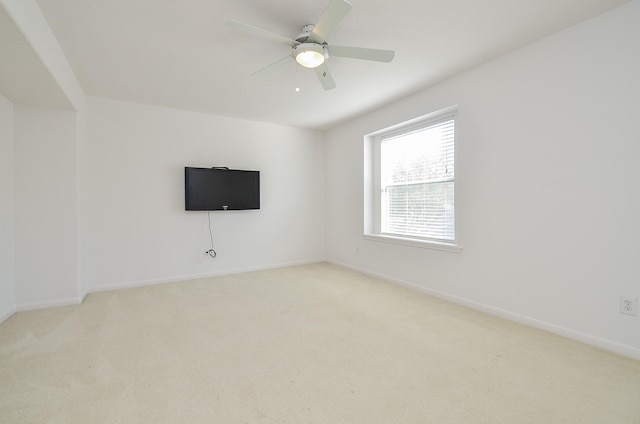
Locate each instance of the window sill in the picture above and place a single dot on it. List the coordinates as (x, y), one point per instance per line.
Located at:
(424, 244)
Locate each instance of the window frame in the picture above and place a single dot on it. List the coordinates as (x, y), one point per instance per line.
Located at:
(372, 183)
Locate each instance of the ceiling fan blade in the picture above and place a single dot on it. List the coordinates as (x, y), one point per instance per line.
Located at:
(335, 11)
(362, 53)
(325, 78)
(270, 68)
(252, 30)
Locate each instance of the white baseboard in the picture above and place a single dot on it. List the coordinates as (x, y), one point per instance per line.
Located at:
(7, 314)
(178, 278)
(78, 300)
(49, 304)
(589, 339)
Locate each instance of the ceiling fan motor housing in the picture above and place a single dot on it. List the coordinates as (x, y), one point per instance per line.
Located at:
(306, 32)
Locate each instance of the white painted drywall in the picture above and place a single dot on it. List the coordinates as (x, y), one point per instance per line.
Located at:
(81, 141)
(7, 270)
(28, 17)
(44, 164)
(547, 185)
(45, 183)
(134, 229)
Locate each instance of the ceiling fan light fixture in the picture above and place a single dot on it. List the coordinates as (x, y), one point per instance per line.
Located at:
(309, 55)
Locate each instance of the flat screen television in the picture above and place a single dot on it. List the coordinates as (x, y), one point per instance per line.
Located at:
(218, 189)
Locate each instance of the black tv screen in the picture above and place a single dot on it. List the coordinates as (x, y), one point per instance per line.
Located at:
(217, 189)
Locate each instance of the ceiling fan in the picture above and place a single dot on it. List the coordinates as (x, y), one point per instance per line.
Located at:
(310, 48)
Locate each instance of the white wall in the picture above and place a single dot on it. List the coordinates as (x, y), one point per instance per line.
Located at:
(7, 269)
(547, 185)
(45, 178)
(81, 140)
(39, 242)
(134, 229)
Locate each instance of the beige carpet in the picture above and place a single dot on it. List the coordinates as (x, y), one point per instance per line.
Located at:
(308, 344)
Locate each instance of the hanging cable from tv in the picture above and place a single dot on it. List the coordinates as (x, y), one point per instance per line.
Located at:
(211, 252)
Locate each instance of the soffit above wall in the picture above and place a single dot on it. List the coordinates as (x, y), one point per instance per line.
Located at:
(24, 79)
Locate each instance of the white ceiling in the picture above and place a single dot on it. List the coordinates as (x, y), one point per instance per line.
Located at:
(180, 54)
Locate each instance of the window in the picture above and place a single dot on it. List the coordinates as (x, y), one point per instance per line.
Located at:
(413, 181)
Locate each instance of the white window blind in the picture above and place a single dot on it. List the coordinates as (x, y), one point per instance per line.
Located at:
(417, 182)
